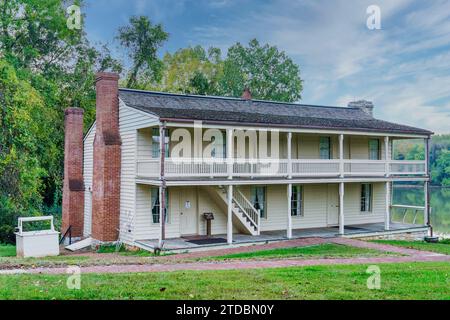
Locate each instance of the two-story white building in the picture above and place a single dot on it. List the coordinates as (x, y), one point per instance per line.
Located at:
(156, 165)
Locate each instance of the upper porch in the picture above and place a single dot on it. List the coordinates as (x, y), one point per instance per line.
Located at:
(195, 152)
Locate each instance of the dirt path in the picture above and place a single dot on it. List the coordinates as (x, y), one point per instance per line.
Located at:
(411, 255)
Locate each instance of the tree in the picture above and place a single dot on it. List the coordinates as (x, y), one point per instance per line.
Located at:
(191, 70)
(142, 40)
(45, 67)
(34, 33)
(269, 73)
(23, 129)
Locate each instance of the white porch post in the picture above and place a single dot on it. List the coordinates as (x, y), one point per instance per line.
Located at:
(386, 156)
(230, 153)
(289, 151)
(289, 216)
(387, 218)
(341, 155)
(427, 210)
(426, 204)
(230, 214)
(341, 208)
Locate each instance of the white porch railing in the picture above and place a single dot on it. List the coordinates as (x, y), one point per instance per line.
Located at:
(401, 167)
(182, 168)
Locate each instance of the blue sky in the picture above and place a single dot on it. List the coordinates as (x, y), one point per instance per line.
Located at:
(404, 68)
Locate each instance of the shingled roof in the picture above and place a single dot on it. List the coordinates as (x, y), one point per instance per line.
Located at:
(256, 112)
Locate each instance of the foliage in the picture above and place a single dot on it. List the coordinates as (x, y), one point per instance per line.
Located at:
(44, 68)
(439, 156)
(142, 40)
(269, 73)
(191, 70)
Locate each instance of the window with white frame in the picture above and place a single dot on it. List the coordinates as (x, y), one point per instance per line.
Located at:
(297, 201)
(366, 197)
(155, 143)
(325, 148)
(156, 204)
(374, 149)
(259, 200)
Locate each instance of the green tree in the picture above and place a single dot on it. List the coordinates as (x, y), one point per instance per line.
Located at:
(269, 73)
(46, 67)
(34, 33)
(191, 70)
(23, 131)
(441, 169)
(142, 40)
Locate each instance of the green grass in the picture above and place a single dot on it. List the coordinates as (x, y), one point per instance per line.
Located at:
(327, 250)
(398, 281)
(441, 247)
(123, 251)
(7, 250)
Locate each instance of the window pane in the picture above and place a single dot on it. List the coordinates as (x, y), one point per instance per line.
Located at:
(259, 199)
(297, 201)
(366, 197)
(156, 140)
(374, 149)
(324, 147)
(156, 205)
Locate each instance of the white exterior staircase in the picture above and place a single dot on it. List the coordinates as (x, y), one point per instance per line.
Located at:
(242, 209)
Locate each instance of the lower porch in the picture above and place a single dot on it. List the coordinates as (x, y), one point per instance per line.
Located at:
(198, 243)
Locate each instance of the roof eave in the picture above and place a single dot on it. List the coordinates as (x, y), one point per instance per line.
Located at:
(256, 124)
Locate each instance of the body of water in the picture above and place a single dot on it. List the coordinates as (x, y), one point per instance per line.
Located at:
(414, 196)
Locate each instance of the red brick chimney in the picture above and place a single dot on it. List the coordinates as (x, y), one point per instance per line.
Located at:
(73, 187)
(107, 160)
(247, 95)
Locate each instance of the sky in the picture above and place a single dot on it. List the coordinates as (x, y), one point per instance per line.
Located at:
(403, 68)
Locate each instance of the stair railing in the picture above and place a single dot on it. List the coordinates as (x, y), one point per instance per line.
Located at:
(68, 232)
(247, 207)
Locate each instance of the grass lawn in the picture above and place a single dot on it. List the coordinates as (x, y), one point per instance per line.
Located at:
(326, 250)
(8, 258)
(441, 247)
(398, 281)
(7, 250)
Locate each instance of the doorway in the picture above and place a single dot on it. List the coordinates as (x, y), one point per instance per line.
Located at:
(332, 204)
(188, 211)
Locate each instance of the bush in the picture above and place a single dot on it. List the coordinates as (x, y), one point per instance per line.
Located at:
(7, 234)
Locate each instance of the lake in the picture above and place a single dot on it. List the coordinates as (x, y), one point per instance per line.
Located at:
(414, 195)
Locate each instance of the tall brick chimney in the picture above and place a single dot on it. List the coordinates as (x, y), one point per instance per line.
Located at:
(107, 160)
(73, 187)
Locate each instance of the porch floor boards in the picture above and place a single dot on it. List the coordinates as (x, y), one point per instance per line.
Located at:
(180, 244)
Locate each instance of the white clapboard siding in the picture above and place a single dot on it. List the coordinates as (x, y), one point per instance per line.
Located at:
(88, 146)
(352, 204)
(130, 120)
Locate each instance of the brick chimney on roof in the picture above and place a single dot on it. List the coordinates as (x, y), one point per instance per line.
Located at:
(73, 186)
(246, 94)
(363, 105)
(107, 160)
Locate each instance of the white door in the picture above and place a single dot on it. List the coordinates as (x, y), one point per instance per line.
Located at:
(333, 204)
(188, 212)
